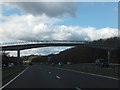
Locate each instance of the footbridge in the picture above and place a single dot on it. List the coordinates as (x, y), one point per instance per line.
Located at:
(18, 46)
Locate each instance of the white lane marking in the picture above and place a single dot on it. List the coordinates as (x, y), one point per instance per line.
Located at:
(89, 73)
(58, 77)
(49, 72)
(14, 78)
(78, 88)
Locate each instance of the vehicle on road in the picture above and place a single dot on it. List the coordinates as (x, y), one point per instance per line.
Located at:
(4, 65)
(11, 65)
(101, 63)
(60, 64)
(53, 63)
(69, 63)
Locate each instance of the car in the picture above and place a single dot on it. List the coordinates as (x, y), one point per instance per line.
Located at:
(4, 65)
(53, 63)
(69, 63)
(60, 64)
(101, 63)
(11, 65)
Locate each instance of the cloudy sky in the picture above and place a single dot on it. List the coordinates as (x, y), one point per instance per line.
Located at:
(24, 21)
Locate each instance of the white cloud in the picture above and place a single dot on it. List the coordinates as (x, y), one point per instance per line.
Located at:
(38, 21)
(39, 51)
(25, 27)
(29, 27)
(51, 9)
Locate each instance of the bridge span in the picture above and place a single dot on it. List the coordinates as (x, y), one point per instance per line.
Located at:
(28, 45)
(37, 45)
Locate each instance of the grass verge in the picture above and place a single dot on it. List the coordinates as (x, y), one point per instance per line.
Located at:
(91, 68)
(9, 73)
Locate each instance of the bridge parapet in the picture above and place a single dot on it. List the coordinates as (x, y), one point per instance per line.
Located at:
(42, 42)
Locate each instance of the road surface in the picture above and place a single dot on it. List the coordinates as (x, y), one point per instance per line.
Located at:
(43, 76)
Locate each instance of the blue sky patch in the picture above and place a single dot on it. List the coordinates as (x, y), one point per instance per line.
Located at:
(88, 14)
(10, 11)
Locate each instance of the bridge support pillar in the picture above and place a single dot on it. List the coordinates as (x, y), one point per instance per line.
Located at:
(109, 52)
(18, 57)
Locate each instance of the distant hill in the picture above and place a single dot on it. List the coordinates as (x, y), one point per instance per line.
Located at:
(110, 42)
(81, 54)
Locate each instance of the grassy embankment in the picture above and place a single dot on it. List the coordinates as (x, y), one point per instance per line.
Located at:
(112, 71)
(9, 73)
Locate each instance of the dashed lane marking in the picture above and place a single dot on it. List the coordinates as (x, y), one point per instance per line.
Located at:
(58, 77)
(78, 88)
(49, 72)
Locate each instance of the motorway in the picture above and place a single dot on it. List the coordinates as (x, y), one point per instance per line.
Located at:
(43, 76)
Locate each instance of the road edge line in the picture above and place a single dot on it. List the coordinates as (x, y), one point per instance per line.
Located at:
(89, 73)
(13, 78)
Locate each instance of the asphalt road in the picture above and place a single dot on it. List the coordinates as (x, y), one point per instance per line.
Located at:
(41, 76)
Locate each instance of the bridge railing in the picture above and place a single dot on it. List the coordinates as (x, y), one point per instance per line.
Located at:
(39, 42)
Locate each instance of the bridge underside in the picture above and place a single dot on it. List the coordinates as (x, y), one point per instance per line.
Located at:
(18, 48)
(29, 46)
